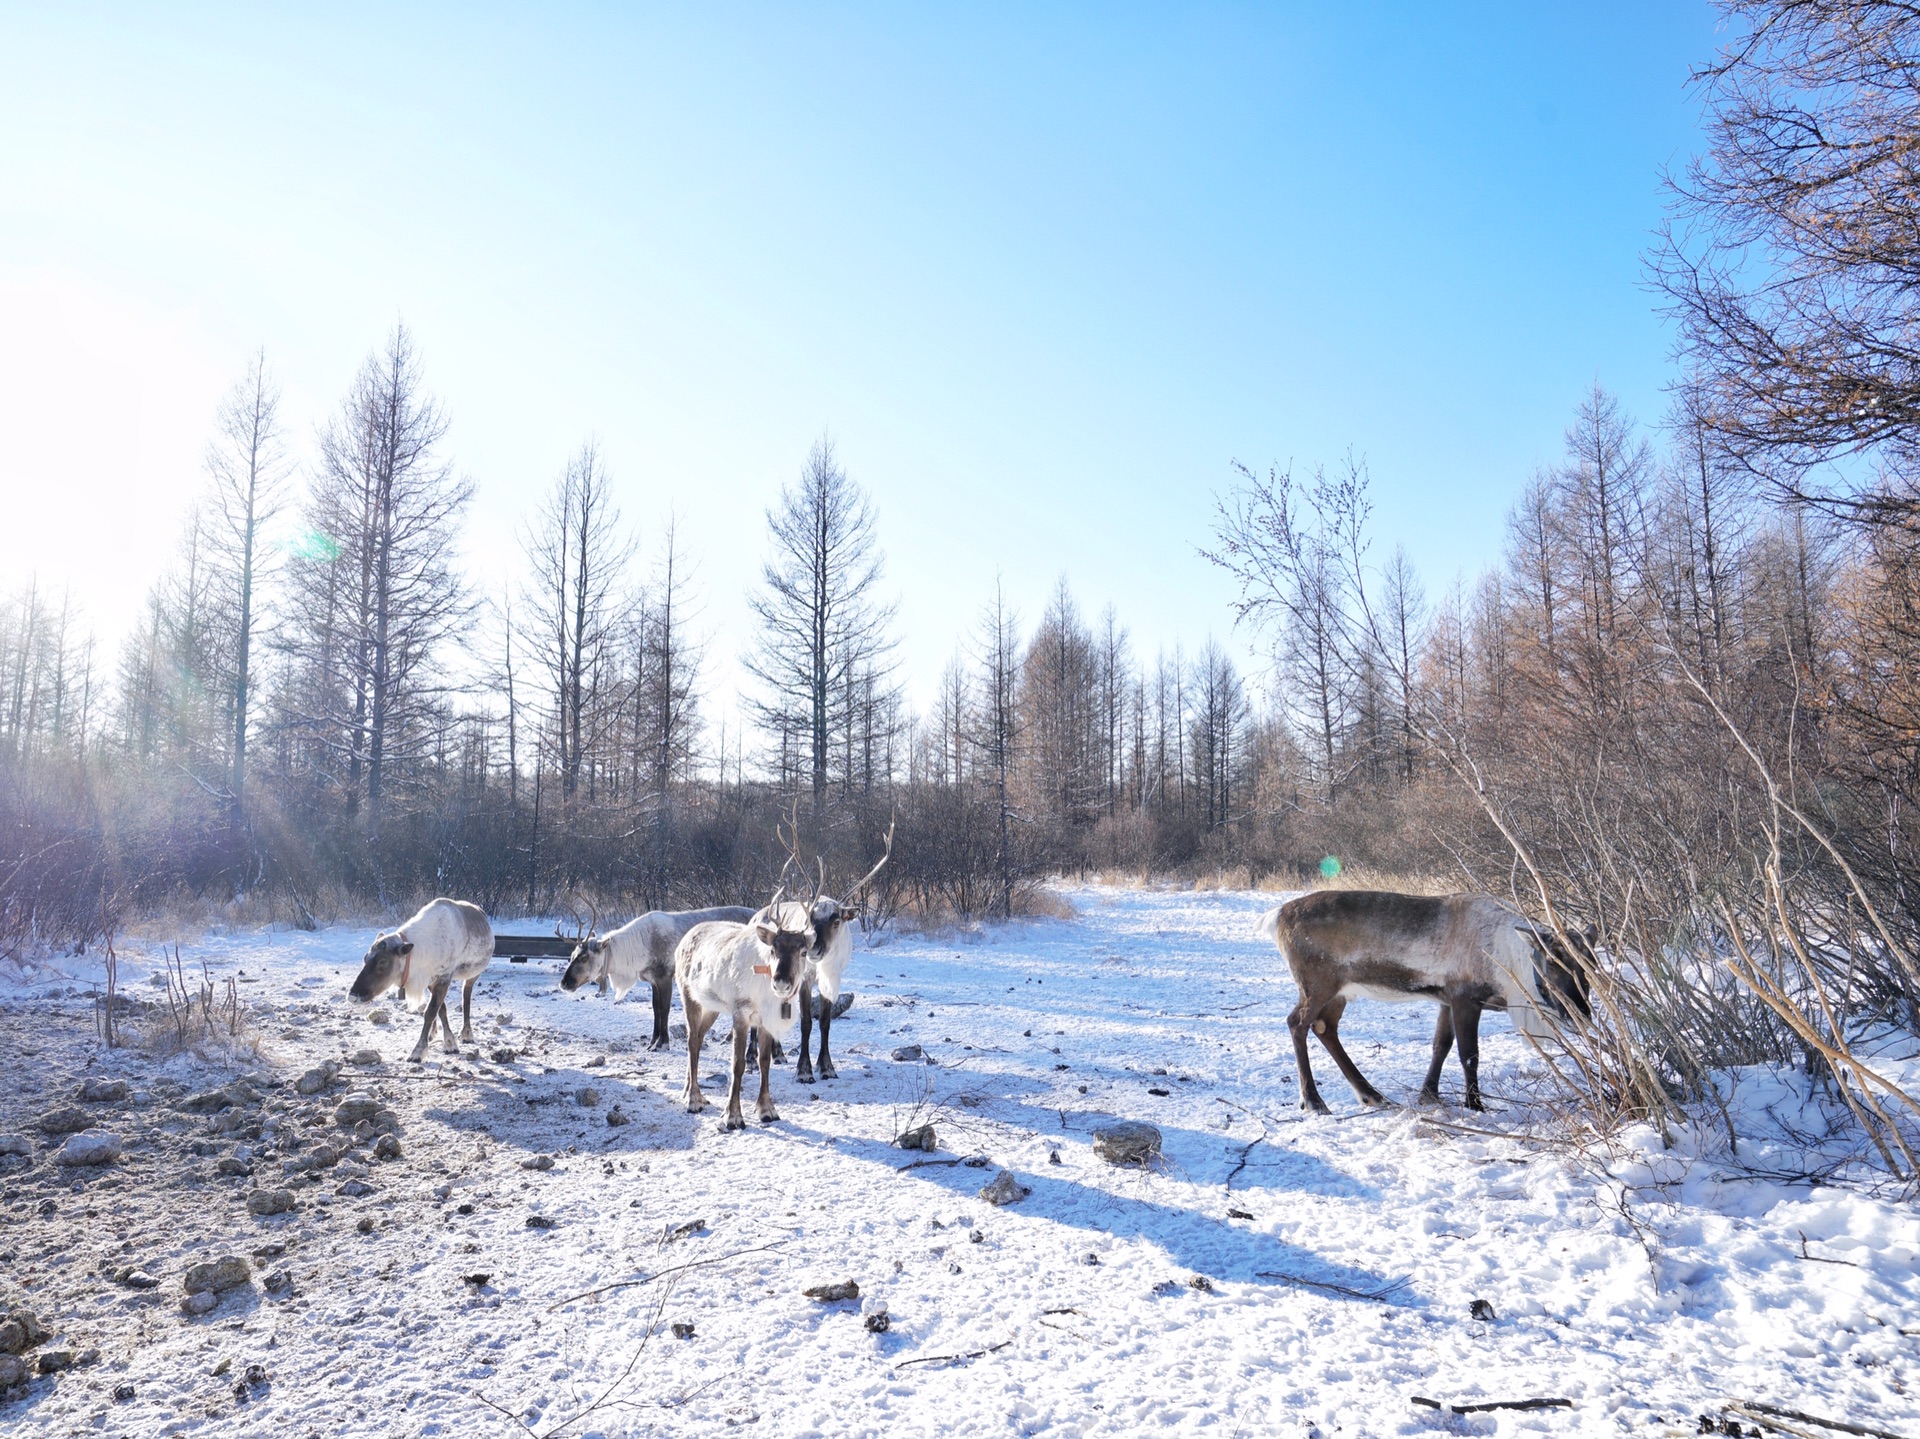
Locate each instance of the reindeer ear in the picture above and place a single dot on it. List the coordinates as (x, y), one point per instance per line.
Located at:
(765, 932)
(406, 946)
(1591, 934)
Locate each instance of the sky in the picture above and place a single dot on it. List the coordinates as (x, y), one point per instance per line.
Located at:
(1042, 272)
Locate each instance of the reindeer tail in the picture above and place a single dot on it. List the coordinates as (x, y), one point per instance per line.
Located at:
(1268, 926)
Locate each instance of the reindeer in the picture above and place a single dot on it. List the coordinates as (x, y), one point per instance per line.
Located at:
(447, 940)
(832, 949)
(752, 973)
(641, 949)
(1468, 952)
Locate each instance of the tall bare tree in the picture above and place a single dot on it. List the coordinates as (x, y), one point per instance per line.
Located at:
(248, 468)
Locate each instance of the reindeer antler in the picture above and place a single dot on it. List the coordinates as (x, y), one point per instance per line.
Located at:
(886, 855)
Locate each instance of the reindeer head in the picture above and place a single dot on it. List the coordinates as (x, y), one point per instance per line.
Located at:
(827, 914)
(588, 962)
(384, 966)
(1563, 966)
(785, 934)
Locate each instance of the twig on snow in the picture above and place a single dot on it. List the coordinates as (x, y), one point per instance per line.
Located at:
(1770, 1414)
(1427, 1403)
(653, 1325)
(956, 1358)
(1379, 1295)
(650, 1278)
(1818, 1258)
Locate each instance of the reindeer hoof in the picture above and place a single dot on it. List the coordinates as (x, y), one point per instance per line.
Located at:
(803, 1076)
(1473, 1103)
(770, 1117)
(1316, 1106)
(827, 1071)
(658, 1042)
(1429, 1096)
(733, 1121)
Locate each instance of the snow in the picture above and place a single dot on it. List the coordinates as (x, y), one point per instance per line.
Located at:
(1645, 1284)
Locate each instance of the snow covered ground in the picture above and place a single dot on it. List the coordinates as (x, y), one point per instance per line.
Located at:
(1277, 1274)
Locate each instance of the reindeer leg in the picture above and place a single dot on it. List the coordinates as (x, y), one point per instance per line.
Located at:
(1328, 1028)
(827, 1071)
(697, 1022)
(768, 1114)
(466, 1011)
(1297, 1022)
(803, 1070)
(606, 986)
(662, 1006)
(1466, 1032)
(434, 997)
(1442, 1043)
(735, 1119)
(446, 1023)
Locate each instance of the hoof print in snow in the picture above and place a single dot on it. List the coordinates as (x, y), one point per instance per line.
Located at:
(833, 1293)
(1167, 1287)
(1127, 1142)
(1481, 1309)
(504, 1055)
(539, 1161)
(123, 1393)
(1238, 1214)
(1091, 1259)
(1053, 1156)
(478, 1281)
(879, 1322)
(1159, 1093)
(1003, 1188)
(540, 1221)
(919, 1137)
(682, 1329)
(909, 1054)
(974, 1236)
(365, 1226)
(88, 1148)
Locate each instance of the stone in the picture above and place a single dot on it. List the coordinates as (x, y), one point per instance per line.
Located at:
(909, 1053)
(379, 1016)
(919, 1137)
(1003, 1188)
(103, 1091)
(354, 1189)
(1126, 1141)
(355, 1107)
(233, 1168)
(322, 1156)
(587, 1097)
(263, 1202)
(833, 1293)
(65, 1121)
(540, 1221)
(617, 1117)
(539, 1161)
(15, 1144)
(504, 1055)
(137, 1279)
(676, 1031)
(91, 1147)
(202, 1303)
(13, 1370)
(210, 1101)
(218, 1275)
(316, 1079)
(878, 1322)
(682, 1329)
(13, 1336)
(123, 1393)
(365, 1226)
(367, 1058)
(386, 1147)
(52, 1361)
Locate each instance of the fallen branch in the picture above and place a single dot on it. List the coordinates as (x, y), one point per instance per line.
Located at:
(956, 1358)
(1379, 1295)
(664, 1273)
(1820, 1259)
(926, 1164)
(1764, 1413)
(1427, 1403)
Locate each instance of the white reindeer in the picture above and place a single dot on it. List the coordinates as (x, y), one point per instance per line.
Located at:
(832, 950)
(1465, 951)
(642, 949)
(447, 940)
(752, 973)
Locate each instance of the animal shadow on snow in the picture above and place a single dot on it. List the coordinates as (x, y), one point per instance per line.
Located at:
(542, 1115)
(1199, 1243)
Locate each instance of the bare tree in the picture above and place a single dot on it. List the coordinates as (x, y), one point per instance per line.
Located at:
(996, 728)
(823, 623)
(248, 468)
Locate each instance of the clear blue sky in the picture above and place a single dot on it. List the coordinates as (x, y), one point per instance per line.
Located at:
(1042, 271)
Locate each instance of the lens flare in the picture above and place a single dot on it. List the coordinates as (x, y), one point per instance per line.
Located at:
(1330, 867)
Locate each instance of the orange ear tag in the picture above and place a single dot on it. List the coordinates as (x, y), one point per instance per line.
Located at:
(763, 969)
